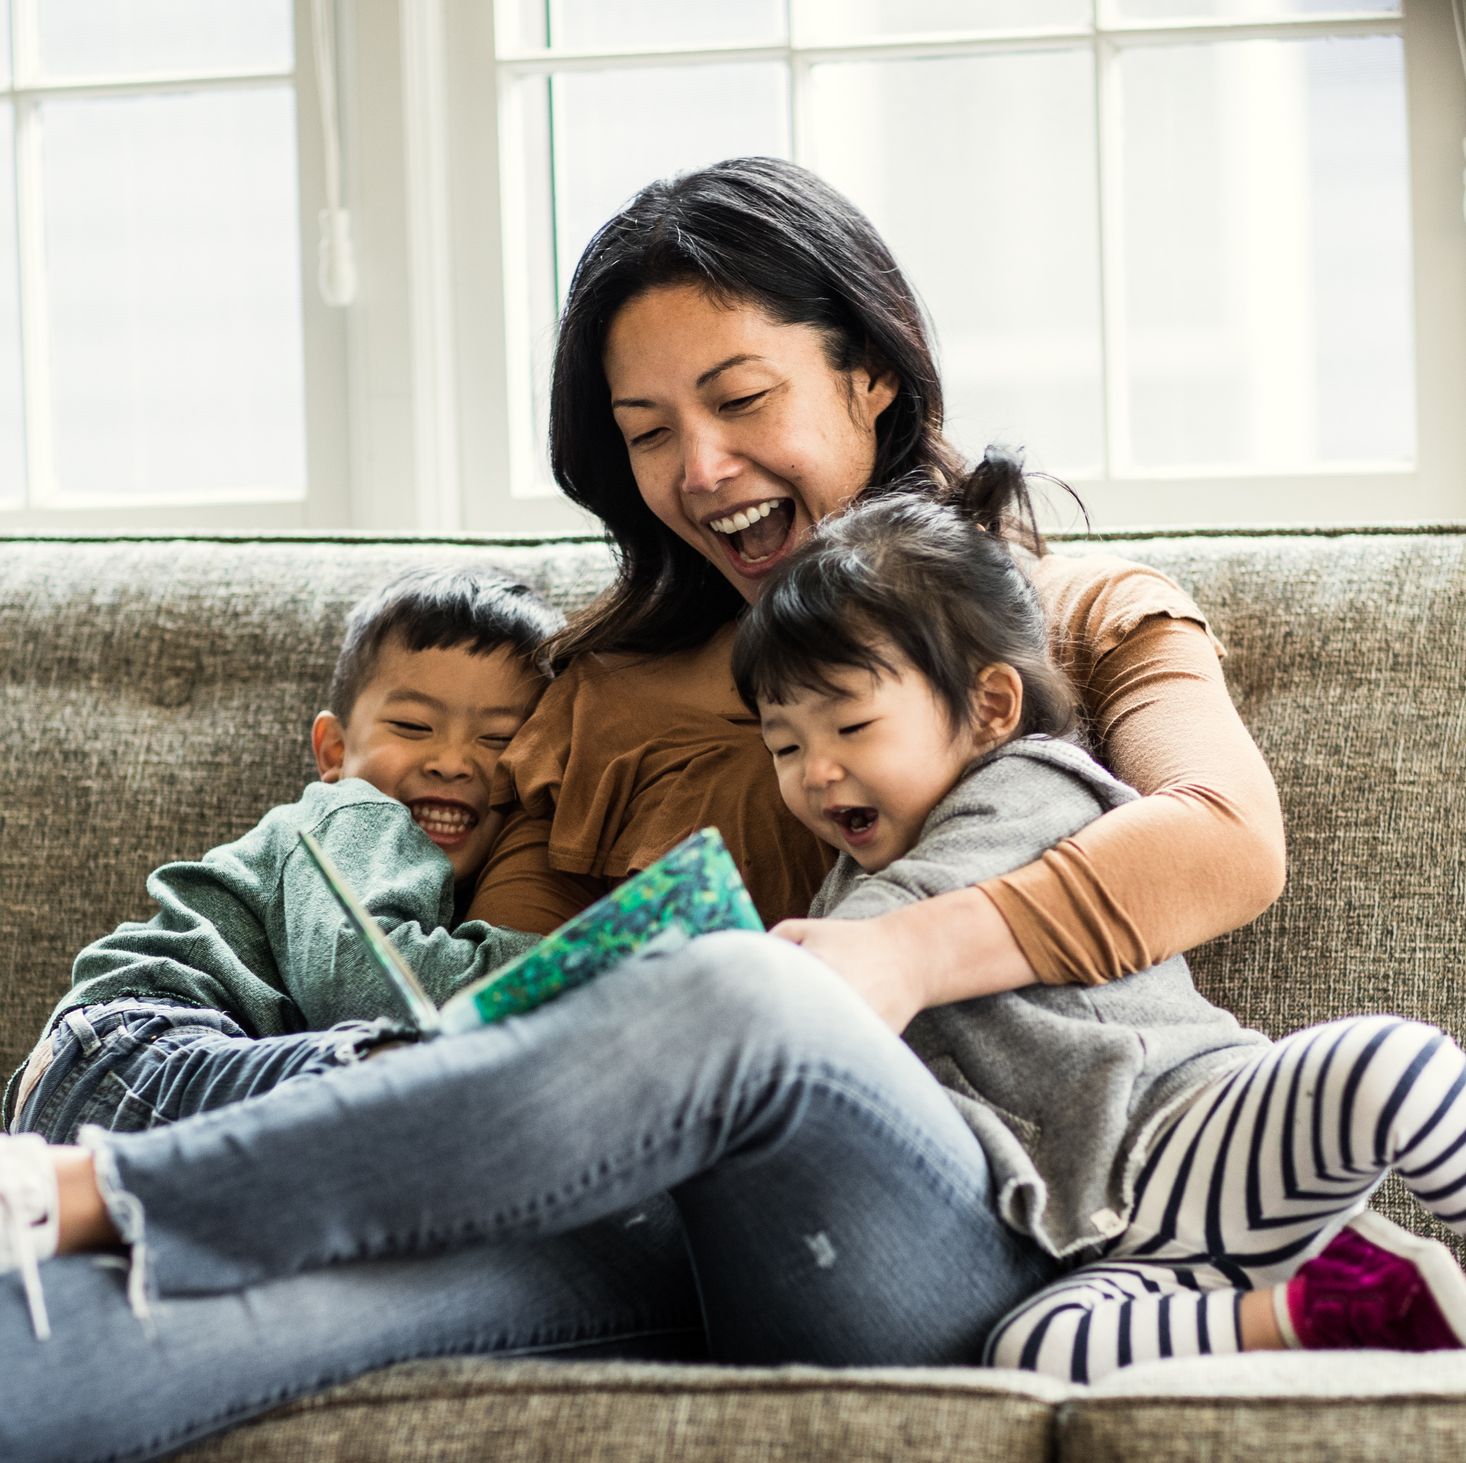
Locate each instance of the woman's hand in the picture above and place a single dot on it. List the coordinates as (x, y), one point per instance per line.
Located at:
(867, 953)
(939, 950)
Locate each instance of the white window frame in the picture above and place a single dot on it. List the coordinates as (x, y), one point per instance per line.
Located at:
(491, 445)
(325, 500)
(414, 392)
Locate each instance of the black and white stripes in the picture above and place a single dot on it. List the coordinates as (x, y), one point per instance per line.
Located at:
(1254, 1173)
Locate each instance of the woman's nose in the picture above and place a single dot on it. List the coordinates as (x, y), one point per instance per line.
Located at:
(707, 461)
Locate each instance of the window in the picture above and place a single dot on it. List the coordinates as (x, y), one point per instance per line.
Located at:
(152, 310)
(1205, 258)
(1196, 254)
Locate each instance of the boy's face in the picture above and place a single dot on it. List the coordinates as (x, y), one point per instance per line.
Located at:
(863, 769)
(428, 729)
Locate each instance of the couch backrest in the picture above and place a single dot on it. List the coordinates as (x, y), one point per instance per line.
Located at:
(155, 698)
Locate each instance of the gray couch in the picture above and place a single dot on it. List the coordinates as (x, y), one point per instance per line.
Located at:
(156, 695)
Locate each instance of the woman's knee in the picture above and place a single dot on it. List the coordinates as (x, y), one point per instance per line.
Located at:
(769, 990)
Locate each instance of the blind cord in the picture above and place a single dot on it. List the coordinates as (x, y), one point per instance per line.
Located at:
(337, 267)
(1458, 14)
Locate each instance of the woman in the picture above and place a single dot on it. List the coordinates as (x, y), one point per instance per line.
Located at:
(755, 361)
(740, 339)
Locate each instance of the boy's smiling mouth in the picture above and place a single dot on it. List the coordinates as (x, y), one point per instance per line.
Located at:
(445, 822)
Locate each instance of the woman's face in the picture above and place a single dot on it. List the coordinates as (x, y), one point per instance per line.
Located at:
(741, 434)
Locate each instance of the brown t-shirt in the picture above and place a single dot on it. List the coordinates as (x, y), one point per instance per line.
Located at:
(625, 756)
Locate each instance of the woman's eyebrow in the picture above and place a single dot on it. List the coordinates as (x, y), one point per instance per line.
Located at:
(710, 374)
(738, 360)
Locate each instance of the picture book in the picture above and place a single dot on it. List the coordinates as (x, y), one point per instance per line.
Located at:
(692, 890)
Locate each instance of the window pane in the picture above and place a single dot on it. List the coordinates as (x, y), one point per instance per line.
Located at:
(120, 37)
(618, 130)
(173, 292)
(593, 25)
(1268, 264)
(1001, 242)
(829, 22)
(1242, 9)
(12, 424)
(613, 132)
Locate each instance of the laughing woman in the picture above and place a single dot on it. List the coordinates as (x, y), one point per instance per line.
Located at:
(739, 356)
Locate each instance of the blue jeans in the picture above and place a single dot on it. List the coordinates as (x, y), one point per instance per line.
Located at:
(504, 1192)
(127, 1065)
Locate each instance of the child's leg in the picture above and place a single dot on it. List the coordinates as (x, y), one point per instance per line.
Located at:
(1268, 1162)
(1261, 1168)
(130, 1065)
(1113, 1313)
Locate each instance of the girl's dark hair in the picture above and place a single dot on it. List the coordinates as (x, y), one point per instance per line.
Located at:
(917, 572)
(440, 609)
(755, 231)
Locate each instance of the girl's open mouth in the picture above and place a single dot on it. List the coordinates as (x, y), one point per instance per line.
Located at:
(447, 824)
(756, 537)
(857, 825)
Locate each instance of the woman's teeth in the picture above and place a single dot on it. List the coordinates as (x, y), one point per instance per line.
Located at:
(737, 522)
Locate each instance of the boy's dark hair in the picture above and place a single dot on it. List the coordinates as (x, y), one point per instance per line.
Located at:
(917, 572)
(440, 609)
(748, 231)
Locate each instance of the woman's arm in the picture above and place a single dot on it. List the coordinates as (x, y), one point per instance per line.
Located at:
(1200, 855)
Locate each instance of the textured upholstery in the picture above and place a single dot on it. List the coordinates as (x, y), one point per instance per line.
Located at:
(155, 697)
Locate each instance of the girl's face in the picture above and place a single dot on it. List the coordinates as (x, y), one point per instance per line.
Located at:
(862, 769)
(741, 435)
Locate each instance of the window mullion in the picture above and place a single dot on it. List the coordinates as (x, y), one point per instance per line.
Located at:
(1109, 200)
(801, 102)
(35, 334)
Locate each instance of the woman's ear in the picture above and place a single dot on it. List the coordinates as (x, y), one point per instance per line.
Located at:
(328, 742)
(876, 386)
(997, 704)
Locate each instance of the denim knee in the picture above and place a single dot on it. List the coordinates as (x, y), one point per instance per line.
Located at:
(760, 991)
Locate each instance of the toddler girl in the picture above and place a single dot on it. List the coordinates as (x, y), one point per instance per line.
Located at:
(1212, 1184)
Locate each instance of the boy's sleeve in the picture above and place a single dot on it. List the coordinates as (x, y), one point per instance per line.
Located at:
(999, 819)
(407, 884)
(206, 946)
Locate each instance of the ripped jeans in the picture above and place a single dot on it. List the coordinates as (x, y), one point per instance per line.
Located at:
(714, 1151)
(128, 1065)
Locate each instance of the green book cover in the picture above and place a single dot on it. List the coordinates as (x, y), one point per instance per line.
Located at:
(692, 890)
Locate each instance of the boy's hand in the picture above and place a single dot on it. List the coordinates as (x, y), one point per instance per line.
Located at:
(868, 954)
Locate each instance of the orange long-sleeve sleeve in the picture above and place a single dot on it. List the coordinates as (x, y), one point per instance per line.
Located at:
(1203, 852)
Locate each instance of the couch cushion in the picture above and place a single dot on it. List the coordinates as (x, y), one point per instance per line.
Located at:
(593, 1412)
(1318, 1407)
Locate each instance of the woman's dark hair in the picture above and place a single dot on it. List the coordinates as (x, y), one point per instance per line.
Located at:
(917, 572)
(751, 230)
(440, 609)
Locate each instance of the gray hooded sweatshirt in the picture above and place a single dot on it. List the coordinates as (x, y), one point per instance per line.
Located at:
(1062, 1085)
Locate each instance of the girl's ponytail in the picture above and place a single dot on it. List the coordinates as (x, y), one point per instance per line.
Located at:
(995, 495)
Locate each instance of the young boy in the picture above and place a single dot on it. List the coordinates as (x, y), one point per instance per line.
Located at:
(248, 975)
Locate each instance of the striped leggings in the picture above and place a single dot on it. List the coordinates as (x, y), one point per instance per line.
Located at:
(1254, 1174)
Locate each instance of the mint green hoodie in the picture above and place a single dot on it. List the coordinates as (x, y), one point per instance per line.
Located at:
(252, 929)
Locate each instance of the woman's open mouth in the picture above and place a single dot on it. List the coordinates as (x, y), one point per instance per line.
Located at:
(757, 536)
(447, 824)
